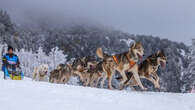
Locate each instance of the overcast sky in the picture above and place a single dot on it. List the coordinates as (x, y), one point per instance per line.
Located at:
(172, 19)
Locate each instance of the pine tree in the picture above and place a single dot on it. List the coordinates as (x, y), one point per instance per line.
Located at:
(189, 73)
(41, 56)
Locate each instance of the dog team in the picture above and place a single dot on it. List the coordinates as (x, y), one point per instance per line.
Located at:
(91, 72)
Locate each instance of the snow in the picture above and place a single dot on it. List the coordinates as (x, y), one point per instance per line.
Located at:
(107, 38)
(183, 52)
(31, 95)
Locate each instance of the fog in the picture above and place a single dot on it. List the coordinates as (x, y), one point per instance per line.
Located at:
(172, 19)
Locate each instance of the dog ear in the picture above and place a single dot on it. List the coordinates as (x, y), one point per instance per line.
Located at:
(158, 52)
(133, 45)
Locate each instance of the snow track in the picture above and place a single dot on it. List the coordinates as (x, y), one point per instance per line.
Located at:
(30, 95)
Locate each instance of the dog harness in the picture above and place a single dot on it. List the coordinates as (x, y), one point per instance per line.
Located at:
(115, 59)
(131, 62)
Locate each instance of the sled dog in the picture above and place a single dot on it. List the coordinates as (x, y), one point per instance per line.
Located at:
(81, 65)
(92, 75)
(122, 62)
(40, 72)
(148, 69)
(61, 74)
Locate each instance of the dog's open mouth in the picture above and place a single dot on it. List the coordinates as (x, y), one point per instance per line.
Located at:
(92, 67)
(45, 72)
(140, 56)
(163, 64)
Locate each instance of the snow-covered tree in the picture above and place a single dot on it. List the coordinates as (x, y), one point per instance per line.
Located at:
(56, 57)
(189, 73)
(5, 23)
(3, 48)
(41, 56)
(28, 61)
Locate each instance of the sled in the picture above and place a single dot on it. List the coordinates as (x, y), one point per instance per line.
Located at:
(12, 73)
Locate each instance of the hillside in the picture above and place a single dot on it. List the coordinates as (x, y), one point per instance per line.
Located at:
(28, 95)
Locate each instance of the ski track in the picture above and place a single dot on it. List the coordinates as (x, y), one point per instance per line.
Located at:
(31, 95)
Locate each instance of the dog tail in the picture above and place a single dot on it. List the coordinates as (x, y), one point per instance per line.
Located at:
(100, 53)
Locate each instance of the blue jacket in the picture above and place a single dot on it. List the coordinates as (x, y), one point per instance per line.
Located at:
(11, 59)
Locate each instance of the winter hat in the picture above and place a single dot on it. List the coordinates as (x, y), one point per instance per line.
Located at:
(10, 47)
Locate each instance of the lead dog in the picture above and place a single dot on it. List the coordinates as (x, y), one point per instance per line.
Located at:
(148, 69)
(122, 62)
(40, 72)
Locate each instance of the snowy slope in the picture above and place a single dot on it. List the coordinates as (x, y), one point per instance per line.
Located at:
(28, 95)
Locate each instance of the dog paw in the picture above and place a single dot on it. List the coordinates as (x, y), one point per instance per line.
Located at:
(82, 80)
(121, 88)
(145, 89)
(110, 88)
(157, 86)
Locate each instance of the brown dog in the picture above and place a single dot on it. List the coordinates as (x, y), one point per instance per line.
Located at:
(61, 75)
(81, 65)
(93, 74)
(148, 69)
(122, 62)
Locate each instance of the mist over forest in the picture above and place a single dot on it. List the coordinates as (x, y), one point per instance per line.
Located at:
(164, 18)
